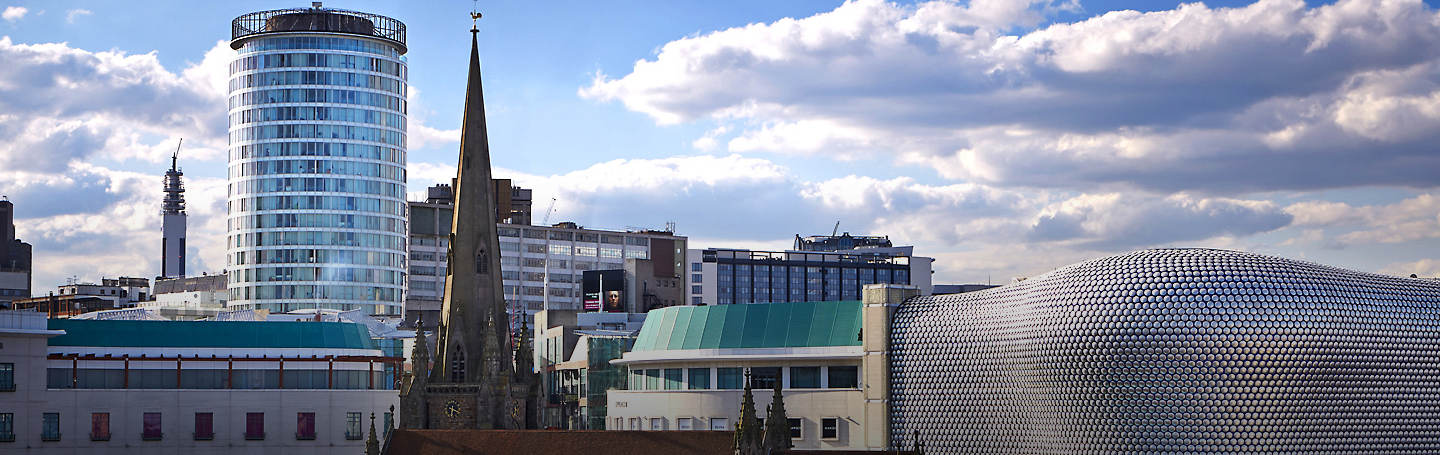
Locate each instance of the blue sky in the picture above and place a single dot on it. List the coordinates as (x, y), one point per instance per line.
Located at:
(1004, 138)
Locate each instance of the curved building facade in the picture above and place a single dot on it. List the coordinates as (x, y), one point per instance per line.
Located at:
(1173, 351)
(317, 213)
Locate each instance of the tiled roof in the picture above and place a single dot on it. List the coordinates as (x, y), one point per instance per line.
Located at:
(756, 325)
(211, 334)
(531, 442)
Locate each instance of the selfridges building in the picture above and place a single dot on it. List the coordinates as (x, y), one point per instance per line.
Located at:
(1173, 351)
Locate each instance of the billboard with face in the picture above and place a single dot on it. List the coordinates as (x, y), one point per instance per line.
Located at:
(604, 290)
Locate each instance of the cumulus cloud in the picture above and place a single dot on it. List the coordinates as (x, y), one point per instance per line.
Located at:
(14, 13)
(1167, 101)
(1407, 220)
(75, 13)
(1128, 220)
(1424, 268)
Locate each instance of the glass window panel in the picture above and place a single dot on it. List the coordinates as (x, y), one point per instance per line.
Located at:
(804, 377)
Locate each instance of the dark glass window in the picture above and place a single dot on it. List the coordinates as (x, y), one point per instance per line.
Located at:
(50, 426)
(652, 379)
(795, 429)
(352, 426)
(730, 378)
(204, 426)
(7, 427)
(830, 428)
(305, 425)
(7, 377)
(150, 431)
(699, 378)
(804, 377)
(763, 377)
(255, 425)
(674, 378)
(844, 377)
(100, 426)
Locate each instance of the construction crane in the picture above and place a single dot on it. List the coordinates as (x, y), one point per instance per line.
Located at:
(837, 229)
(548, 211)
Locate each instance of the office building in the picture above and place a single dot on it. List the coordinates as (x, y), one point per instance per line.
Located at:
(15, 271)
(573, 354)
(133, 386)
(189, 298)
(173, 218)
(720, 276)
(316, 204)
(1172, 351)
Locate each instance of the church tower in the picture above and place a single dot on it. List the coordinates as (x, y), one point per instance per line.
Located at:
(473, 384)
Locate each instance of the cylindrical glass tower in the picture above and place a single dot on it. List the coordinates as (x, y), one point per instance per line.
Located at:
(317, 213)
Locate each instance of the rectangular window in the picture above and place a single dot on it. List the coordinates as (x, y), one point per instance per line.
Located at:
(389, 424)
(7, 427)
(652, 379)
(535, 248)
(634, 423)
(612, 239)
(657, 423)
(559, 235)
(730, 378)
(305, 426)
(560, 249)
(696, 267)
(844, 377)
(352, 426)
(637, 379)
(720, 424)
(699, 378)
(255, 426)
(763, 377)
(804, 377)
(7, 377)
(204, 426)
(150, 429)
(610, 253)
(50, 426)
(697, 289)
(100, 426)
(673, 378)
(697, 300)
(684, 423)
(697, 278)
(796, 429)
(830, 428)
(534, 234)
(586, 251)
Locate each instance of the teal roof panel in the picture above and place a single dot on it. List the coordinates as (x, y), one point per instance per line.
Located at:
(756, 325)
(211, 334)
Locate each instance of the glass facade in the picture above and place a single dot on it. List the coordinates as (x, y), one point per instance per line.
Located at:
(765, 277)
(317, 212)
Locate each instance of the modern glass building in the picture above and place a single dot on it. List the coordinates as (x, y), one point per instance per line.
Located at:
(317, 213)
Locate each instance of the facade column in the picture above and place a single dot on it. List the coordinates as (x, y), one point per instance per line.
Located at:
(881, 301)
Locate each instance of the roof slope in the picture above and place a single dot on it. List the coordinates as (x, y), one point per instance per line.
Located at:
(755, 325)
(210, 334)
(523, 442)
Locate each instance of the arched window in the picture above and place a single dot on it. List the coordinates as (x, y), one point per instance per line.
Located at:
(482, 263)
(457, 366)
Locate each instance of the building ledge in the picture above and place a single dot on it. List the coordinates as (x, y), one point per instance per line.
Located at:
(752, 354)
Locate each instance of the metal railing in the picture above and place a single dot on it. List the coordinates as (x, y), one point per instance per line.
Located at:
(258, 23)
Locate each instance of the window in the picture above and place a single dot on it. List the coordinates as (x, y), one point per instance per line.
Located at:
(719, 423)
(652, 379)
(100, 426)
(697, 300)
(697, 278)
(305, 425)
(637, 379)
(634, 423)
(7, 427)
(255, 426)
(535, 248)
(657, 423)
(204, 426)
(673, 378)
(683, 423)
(729, 378)
(50, 426)
(389, 423)
(7, 377)
(844, 377)
(830, 428)
(696, 267)
(352, 426)
(763, 377)
(795, 429)
(699, 378)
(150, 429)
(804, 377)
(560, 249)
(697, 289)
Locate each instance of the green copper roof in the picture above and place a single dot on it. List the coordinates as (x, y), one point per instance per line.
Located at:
(756, 325)
(211, 334)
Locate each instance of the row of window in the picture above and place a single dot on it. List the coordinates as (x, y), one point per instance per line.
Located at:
(615, 239)
(315, 291)
(317, 184)
(292, 378)
(341, 149)
(310, 220)
(340, 167)
(315, 42)
(152, 426)
(319, 113)
(292, 131)
(829, 426)
(283, 238)
(322, 60)
(320, 256)
(364, 204)
(311, 274)
(834, 377)
(319, 95)
(344, 79)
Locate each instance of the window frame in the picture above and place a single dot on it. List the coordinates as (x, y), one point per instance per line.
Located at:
(7, 377)
(830, 376)
(797, 428)
(209, 433)
(254, 426)
(793, 376)
(7, 427)
(355, 424)
(720, 424)
(835, 428)
(690, 379)
(146, 427)
(304, 421)
(99, 426)
(682, 422)
(50, 426)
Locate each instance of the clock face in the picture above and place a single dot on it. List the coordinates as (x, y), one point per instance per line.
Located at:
(452, 408)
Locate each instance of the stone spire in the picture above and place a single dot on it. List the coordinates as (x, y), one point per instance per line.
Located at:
(749, 437)
(472, 289)
(372, 445)
(777, 425)
(420, 356)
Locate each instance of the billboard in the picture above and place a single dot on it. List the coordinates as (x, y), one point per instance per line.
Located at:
(604, 290)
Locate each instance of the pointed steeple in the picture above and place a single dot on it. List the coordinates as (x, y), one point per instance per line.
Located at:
(749, 437)
(777, 424)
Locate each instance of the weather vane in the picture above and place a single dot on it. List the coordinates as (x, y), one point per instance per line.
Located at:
(475, 15)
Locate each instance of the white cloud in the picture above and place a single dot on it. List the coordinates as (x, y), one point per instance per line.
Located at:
(1411, 219)
(14, 13)
(1168, 101)
(75, 13)
(1424, 268)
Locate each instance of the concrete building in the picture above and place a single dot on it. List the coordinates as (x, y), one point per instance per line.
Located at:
(573, 350)
(317, 214)
(173, 219)
(430, 224)
(719, 276)
(15, 270)
(189, 298)
(158, 387)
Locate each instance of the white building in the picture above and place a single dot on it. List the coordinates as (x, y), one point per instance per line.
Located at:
(146, 387)
(189, 298)
(317, 111)
(121, 292)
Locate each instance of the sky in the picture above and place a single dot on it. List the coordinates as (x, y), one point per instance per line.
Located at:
(1002, 138)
